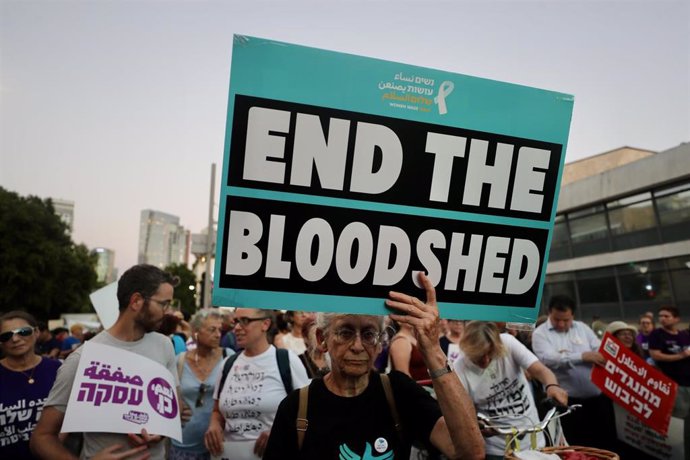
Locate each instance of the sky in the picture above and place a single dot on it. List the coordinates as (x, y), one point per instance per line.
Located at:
(121, 106)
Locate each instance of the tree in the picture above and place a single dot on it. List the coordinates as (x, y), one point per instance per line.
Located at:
(42, 271)
(182, 293)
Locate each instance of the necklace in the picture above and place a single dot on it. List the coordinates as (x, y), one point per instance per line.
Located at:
(27, 374)
(31, 376)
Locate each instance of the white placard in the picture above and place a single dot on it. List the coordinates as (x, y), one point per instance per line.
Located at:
(126, 390)
(104, 302)
(632, 431)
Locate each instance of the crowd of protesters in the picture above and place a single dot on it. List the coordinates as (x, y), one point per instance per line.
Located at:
(493, 368)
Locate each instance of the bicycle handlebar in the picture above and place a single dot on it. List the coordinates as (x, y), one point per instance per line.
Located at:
(486, 421)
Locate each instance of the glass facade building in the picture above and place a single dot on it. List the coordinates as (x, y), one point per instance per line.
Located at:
(621, 241)
(162, 240)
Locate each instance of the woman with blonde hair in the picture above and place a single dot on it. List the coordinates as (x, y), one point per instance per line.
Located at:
(491, 367)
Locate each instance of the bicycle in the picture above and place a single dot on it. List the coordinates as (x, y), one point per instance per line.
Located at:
(514, 434)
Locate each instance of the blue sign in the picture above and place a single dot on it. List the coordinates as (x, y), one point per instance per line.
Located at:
(344, 176)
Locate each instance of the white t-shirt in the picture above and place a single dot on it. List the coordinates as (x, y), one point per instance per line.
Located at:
(296, 344)
(501, 391)
(250, 397)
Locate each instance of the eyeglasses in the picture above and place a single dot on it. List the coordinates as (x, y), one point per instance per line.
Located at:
(369, 337)
(244, 321)
(203, 388)
(165, 304)
(25, 331)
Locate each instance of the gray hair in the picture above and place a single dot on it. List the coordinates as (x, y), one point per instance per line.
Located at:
(202, 315)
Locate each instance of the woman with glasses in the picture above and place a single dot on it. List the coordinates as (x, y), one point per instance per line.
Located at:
(247, 400)
(199, 370)
(352, 413)
(25, 381)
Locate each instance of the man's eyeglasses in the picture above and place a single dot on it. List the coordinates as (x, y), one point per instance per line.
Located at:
(203, 388)
(25, 331)
(369, 337)
(244, 321)
(165, 304)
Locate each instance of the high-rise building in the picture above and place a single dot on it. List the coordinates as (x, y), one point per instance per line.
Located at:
(64, 209)
(621, 240)
(105, 265)
(162, 240)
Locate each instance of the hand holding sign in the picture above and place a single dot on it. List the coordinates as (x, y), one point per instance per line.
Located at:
(130, 393)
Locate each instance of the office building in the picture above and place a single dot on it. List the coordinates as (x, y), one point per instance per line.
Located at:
(65, 209)
(162, 240)
(105, 265)
(621, 241)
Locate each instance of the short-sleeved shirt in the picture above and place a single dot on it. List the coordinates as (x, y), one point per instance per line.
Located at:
(501, 390)
(354, 427)
(250, 397)
(153, 345)
(21, 404)
(672, 344)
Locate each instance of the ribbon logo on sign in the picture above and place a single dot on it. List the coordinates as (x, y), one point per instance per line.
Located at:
(443, 91)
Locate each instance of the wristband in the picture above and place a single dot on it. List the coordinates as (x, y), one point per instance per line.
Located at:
(551, 385)
(440, 372)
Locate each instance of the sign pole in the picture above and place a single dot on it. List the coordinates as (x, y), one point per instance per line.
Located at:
(209, 246)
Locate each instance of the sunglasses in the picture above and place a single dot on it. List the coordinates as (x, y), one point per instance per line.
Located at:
(203, 388)
(25, 331)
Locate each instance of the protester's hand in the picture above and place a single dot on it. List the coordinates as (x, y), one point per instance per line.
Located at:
(111, 453)
(213, 439)
(422, 316)
(593, 357)
(260, 445)
(558, 394)
(144, 438)
(185, 412)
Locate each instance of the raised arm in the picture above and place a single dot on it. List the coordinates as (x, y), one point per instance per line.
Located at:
(400, 353)
(456, 434)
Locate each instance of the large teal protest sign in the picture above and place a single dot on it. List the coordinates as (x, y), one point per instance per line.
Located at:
(344, 176)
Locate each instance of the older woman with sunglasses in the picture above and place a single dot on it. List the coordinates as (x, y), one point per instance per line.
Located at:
(199, 370)
(353, 413)
(25, 381)
(247, 399)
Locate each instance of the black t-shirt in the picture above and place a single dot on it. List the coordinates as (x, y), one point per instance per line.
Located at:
(354, 427)
(672, 344)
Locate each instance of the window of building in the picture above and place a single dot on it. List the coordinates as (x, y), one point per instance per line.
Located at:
(559, 284)
(560, 244)
(679, 269)
(588, 231)
(632, 222)
(644, 282)
(597, 289)
(673, 205)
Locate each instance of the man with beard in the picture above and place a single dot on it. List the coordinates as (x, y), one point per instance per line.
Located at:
(144, 292)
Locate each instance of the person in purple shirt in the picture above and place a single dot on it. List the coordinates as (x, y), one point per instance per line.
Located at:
(669, 347)
(25, 381)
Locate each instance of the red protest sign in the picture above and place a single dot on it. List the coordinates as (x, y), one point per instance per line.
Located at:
(636, 386)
